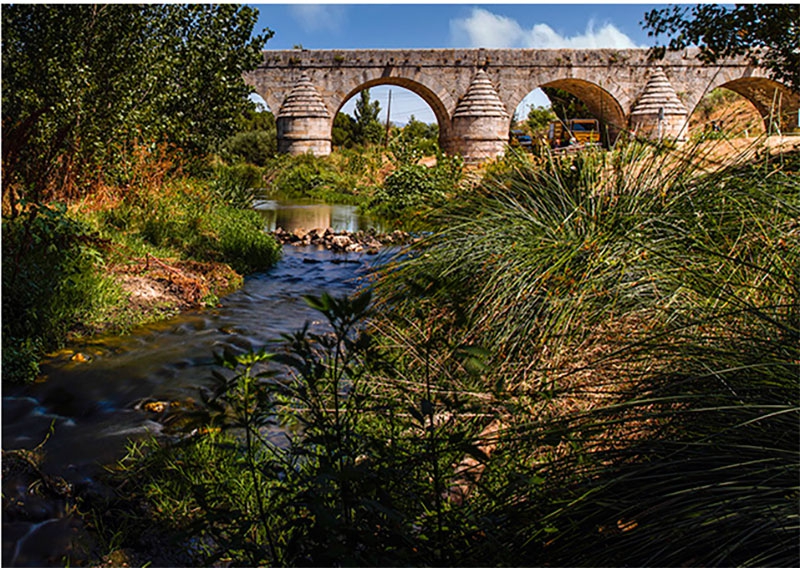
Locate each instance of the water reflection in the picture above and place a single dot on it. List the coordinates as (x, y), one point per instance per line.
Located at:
(297, 215)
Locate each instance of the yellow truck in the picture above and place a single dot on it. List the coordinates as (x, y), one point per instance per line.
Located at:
(574, 131)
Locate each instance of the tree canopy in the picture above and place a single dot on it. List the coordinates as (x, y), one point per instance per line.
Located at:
(368, 127)
(768, 34)
(80, 83)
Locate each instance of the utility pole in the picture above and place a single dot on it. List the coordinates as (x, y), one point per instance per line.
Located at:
(388, 122)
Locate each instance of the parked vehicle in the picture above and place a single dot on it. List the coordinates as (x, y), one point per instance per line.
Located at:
(574, 131)
(518, 137)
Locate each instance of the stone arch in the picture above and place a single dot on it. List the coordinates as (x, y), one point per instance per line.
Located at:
(598, 100)
(775, 102)
(427, 94)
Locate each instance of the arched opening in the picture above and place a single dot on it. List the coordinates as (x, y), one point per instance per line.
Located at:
(569, 109)
(399, 106)
(573, 104)
(724, 113)
(776, 104)
(261, 104)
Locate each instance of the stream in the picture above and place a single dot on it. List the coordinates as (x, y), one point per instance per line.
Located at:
(93, 401)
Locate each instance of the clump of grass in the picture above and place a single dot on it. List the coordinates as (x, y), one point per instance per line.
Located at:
(642, 311)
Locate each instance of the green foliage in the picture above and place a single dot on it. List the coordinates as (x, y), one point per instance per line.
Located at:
(254, 147)
(539, 118)
(345, 176)
(413, 187)
(765, 33)
(238, 186)
(51, 282)
(368, 129)
(81, 83)
(237, 237)
(343, 134)
(194, 224)
(256, 142)
(425, 136)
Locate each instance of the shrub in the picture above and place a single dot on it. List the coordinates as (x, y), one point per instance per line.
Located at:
(338, 178)
(413, 187)
(238, 185)
(254, 147)
(51, 282)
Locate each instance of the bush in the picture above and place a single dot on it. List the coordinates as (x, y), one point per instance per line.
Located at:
(413, 187)
(339, 178)
(254, 147)
(51, 282)
(238, 185)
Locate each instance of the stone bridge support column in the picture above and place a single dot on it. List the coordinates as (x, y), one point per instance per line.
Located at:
(303, 122)
(480, 122)
(658, 113)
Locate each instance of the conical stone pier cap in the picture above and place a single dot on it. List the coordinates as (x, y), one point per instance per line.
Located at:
(481, 99)
(304, 101)
(658, 94)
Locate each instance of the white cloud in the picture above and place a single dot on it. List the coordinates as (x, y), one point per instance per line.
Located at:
(317, 17)
(608, 36)
(485, 29)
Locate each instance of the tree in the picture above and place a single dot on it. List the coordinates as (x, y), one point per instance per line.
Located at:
(566, 105)
(344, 131)
(539, 118)
(368, 127)
(767, 34)
(81, 83)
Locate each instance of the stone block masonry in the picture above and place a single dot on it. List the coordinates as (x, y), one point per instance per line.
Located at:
(474, 92)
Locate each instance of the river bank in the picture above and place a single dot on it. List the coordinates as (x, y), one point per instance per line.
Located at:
(158, 288)
(97, 393)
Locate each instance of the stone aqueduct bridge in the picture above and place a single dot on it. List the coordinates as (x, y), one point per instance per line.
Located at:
(474, 92)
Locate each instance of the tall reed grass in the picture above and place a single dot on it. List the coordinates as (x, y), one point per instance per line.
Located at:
(641, 308)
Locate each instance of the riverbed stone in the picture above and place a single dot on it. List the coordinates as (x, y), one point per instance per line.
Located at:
(369, 241)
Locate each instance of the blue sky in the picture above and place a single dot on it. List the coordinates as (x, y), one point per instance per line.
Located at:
(354, 26)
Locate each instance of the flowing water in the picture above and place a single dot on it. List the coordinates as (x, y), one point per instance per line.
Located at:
(94, 406)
